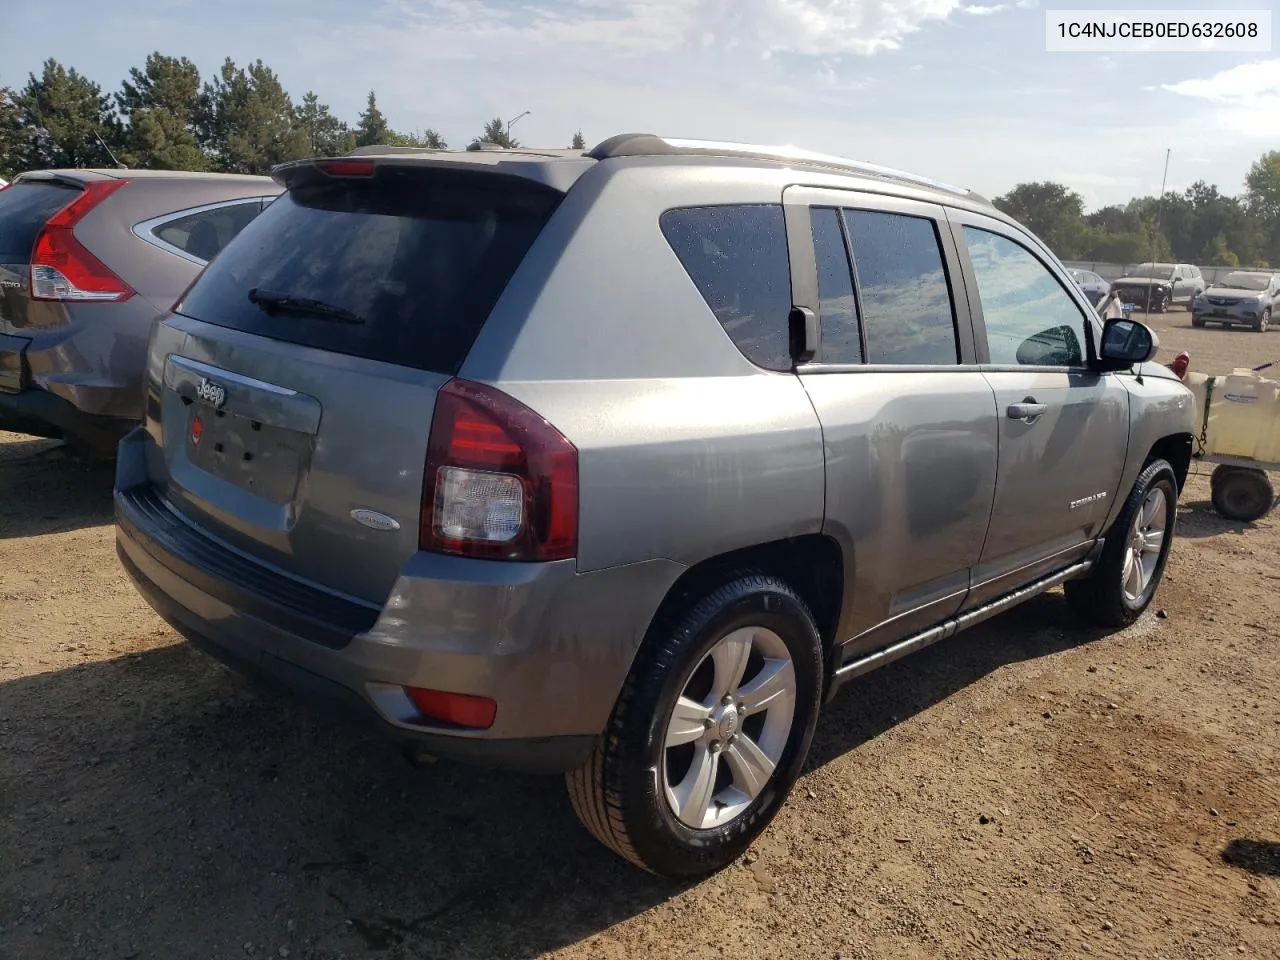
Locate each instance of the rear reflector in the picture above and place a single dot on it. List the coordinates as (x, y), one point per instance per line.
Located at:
(61, 267)
(500, 482)
(457, 709)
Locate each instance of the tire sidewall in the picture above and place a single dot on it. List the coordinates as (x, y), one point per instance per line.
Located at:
(669, 844)
(1158, 474)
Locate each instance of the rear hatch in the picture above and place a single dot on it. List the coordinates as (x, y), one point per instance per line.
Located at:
(296, 380)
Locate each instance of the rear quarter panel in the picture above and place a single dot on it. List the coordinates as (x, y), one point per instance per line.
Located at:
(686, 449)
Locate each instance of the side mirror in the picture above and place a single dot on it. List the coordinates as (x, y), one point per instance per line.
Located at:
(1126, 343)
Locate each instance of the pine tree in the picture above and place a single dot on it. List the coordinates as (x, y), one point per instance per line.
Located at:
(373, 128)
(61, 116)
(495, 131)
(578, 143)
(160, 103)
(247, 121)
(327, 136)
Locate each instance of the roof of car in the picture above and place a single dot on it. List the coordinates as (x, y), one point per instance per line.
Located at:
(649, 145)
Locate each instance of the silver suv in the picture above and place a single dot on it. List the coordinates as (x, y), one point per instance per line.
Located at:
(620, 463)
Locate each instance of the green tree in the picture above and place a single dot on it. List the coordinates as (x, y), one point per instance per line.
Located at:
(373, 128)
(10, 133)
(1262, 197)
(326, 135)
(427, 139)
(247, 121)
(61, 116)
(578, 143)
(1218, 254)
(495, 131)
(1051, 211)
(160, 103)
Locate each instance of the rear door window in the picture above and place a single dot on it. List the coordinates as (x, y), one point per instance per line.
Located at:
(736, 256)
(407, 265)
(902, 289)
(203, 233)
(24, 209)
(837, 308)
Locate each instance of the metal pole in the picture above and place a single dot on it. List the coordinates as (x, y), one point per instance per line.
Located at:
(514, 119)
(1155, 233)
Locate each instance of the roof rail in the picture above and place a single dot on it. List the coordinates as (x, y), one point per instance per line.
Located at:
(649, 145)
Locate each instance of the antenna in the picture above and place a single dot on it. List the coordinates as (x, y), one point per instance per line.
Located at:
(1155, 233)
(119, 165)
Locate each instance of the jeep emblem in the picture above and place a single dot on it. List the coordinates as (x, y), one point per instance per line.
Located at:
(211, 393)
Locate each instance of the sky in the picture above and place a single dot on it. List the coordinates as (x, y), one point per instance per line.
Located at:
(961, 90)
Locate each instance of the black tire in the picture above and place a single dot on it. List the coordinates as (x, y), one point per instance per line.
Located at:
(1264, 321)
(1158, 304)
(1241, 494)
(1100, 596)
(1197, 321)
(618, 793)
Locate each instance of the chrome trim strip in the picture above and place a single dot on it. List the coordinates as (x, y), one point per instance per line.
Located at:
(145, 230)
(954, 625)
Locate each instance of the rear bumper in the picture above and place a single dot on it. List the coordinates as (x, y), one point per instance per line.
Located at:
(42, 414)
(550, 646)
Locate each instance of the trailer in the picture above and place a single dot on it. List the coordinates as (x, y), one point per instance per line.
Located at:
(1239, 419)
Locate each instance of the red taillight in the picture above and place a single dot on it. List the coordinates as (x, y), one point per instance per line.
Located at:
(458, 709)
(61, 267)
(500, 482)
(345, 167)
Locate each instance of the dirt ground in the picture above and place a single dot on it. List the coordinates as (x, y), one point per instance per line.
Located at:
(1028, 789)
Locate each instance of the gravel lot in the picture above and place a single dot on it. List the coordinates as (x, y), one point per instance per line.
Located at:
(1029, 789)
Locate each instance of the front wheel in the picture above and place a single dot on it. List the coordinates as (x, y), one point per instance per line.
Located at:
(709, 733)
(1197, 321)
(1264, 321)
(1124, 580)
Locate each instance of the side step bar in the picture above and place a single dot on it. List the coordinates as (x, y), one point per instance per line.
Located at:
(949, 628)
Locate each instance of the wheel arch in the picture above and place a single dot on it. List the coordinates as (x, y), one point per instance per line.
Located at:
(813, 564)
(1175, 449)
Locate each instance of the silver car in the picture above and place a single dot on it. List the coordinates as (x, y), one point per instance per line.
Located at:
(89, 260)
(621, 463)
(1246, 298)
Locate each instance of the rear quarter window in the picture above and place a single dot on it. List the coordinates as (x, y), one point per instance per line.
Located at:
(736, 255)
(417, 258)
(24, 209)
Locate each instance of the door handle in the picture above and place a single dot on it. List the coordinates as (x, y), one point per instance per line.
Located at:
(1027, 410)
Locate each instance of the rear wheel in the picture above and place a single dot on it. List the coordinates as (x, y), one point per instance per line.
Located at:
(1124, 580)
(1241, 493)
(709, 733)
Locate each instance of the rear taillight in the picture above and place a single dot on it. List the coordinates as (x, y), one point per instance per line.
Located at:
(61, 267)
(500, 483)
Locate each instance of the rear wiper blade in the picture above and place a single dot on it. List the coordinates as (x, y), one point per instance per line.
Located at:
(270, 300)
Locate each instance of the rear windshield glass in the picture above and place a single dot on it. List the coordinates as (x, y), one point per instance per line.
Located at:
(24, 208)
(407, 266)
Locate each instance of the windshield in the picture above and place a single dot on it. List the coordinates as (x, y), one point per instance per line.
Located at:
(1246, 281)
(1160, 271)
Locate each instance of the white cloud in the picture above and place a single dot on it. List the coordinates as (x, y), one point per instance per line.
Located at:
(814, 27)
(1249, 84)
(980, 11)
(1246, 98)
